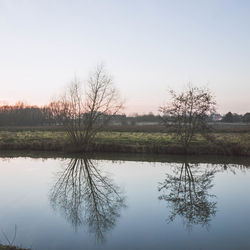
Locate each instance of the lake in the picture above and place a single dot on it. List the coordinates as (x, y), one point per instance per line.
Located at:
(125, 202)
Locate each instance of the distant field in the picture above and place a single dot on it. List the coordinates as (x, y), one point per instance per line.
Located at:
(139, 127)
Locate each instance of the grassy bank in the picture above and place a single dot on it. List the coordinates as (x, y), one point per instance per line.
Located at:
(127, 142)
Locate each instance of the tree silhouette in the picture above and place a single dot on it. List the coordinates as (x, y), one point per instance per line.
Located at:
(186, 192)
(84, 113)
(85, 196)
(188, 113)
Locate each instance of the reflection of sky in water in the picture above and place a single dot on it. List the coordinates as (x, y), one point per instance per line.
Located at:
(25, 188)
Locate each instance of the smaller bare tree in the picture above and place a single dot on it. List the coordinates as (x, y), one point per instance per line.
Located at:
(188, 112)
(83, 112)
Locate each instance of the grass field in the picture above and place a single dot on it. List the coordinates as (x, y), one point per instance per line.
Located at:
(225, 143)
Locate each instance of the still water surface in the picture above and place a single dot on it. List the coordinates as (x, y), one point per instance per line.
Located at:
(84, 203)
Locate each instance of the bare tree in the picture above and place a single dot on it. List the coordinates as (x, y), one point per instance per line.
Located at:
(85, 112)
(188, 112)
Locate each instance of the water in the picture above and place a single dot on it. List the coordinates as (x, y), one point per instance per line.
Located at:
(83, 203)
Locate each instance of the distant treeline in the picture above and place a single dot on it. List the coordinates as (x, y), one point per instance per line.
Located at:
(24, 115)
(233, 117)
(21, 114)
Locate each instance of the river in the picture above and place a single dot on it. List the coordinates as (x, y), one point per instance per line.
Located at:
(125, 202)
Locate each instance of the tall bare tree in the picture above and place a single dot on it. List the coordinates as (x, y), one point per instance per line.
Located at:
(84, 112)
(188, 112)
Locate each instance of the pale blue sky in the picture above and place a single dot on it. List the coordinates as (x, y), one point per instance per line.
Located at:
(148, 46)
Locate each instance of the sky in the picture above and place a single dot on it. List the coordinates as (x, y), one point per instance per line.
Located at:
(148, 46)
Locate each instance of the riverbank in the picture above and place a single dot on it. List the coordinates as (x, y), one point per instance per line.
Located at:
(128, 142)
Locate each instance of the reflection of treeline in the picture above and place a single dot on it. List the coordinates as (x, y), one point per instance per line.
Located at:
(21, 114)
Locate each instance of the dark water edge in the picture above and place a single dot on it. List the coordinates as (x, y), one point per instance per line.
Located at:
(140, 157)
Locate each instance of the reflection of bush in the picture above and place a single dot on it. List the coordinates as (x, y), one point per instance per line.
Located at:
(186, 192)
(10, 242)
(7, 247)
(87, 197)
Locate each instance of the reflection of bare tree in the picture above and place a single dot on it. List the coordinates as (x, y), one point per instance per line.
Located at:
(186, 192)
(87, 197)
